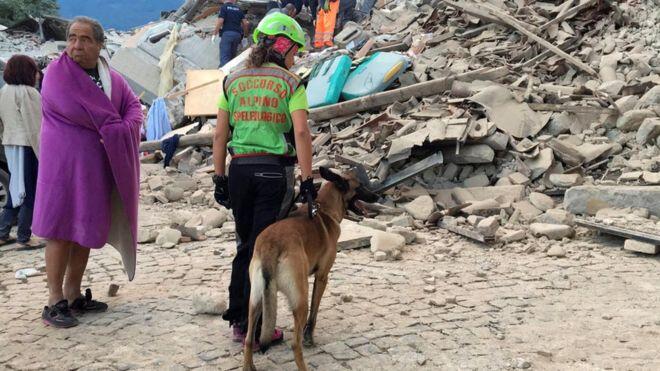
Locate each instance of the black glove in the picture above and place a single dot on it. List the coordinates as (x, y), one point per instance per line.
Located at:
(221, 193)
(307, 190)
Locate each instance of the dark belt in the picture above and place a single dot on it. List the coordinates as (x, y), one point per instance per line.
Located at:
(264, 160)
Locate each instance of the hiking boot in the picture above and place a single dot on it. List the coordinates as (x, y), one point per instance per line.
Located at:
(59, 315)
(85, 304)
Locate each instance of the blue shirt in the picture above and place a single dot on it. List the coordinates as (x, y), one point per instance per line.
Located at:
(233, 17)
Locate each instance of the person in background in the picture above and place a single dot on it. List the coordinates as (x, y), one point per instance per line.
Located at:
(89, 174)
(264, 109)
(20, 123)
(298, 4)
(325, 24)
(231, 26)
(346, 13)
(289, 9)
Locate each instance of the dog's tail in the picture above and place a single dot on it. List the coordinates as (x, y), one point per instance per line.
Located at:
(268, 287)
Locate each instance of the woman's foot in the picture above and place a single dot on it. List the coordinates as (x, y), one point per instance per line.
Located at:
(59, 315)
(85, 304)
(278, 337)
(31, 244)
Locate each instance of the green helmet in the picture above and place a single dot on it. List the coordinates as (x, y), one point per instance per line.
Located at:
(280, 24)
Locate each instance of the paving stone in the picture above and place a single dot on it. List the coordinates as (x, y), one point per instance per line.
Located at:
(340, 351)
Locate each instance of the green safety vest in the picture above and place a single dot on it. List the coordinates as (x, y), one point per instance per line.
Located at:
(259, 111)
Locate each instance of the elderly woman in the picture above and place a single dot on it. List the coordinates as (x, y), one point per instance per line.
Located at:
(88, 183)
(20, 121)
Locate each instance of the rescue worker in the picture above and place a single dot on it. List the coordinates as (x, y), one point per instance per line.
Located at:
(326, 20)
(232, 27)
(263, 110)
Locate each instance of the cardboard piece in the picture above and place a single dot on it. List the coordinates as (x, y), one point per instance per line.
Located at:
(204, 100)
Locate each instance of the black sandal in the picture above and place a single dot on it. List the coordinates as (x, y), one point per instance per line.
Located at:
(85, 304)
(59, 315)
(31, 245)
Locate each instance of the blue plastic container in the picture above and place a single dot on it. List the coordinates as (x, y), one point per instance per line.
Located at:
(327, 80)
(374, 75)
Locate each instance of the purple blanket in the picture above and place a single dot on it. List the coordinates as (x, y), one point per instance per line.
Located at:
(88, 182)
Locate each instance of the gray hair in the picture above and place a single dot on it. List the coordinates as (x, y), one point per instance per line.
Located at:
(97, 29)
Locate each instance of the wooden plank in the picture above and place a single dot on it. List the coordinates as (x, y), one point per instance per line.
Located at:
(204, 139)
(203, 90)
(575, 109)
(423, 89)
(319, 141)
(572, 12)
(619, 231)
(521, 27)
(465, 232)
(421, 166)
(365, 49)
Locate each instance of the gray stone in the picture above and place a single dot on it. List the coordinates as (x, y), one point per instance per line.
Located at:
(556, 216)
(651, 100)
(626, 103)
(557, 251)
(168, 237)
(612, 87)
(473, 220)
(206, 301)
(389, 243)
(527, 211)
(181, 217)
(485, 207)
(195, 233)
(380, 256)
(198, 198)
(631, 120)
(145, 236)
(589, 199)
(354, 236)
(470, 154)
(451, 171)
(212, 218)
(541, 201)
(518, 178)
(631, 176)
(651, 178)
(643, 247)
(421, 208)
(648, 130)
(498, 141)
(156, 183)
(173, 194)
(373, 223)
(551, 231)
(489, 226)
(409, 235)
(160, 197)
(541, 163)
(560, 123)
(214, 233)
(480, 180)
(401, 221)
(565, 180)
(513, 236)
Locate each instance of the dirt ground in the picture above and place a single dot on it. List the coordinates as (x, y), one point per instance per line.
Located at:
(448, 304)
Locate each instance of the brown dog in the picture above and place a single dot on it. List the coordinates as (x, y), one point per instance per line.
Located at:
(287, 252)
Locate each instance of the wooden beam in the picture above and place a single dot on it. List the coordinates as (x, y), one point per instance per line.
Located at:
(423, 89)
(205, 139)
(621, 232)
(575, 109)
(522, 28)
(572, 12)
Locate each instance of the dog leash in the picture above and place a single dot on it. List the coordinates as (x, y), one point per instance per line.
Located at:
(312, 207)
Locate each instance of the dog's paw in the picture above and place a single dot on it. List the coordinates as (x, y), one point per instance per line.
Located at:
(264, 348)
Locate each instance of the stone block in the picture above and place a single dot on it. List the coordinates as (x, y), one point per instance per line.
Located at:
(589, 199)
(389, 243)
(206, 301)
(632, 120)
(470, 154)
(648, 130)
(480, 180)
(173, 194)
(565, 180)
(556, 216)
(643, 247)
(541, 201)
(551, 231)
(527, 211)
(513, 236)
(518, 178)
(421, 208)
(168, 237)
(489, 226)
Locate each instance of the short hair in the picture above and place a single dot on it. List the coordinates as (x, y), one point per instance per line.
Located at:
(97, 29)
(21, 70)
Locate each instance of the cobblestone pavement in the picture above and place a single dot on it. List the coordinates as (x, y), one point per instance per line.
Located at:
(448, 304)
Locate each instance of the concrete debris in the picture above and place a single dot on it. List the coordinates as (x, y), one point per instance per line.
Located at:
(421, 208)
(643, 247)
(541, 201)
(513, 236)
(551, 231)
(489, 226)
(207, 301)
(556, 216)
(168, 238)
(565, 180)
(389, 243)
(587, 200)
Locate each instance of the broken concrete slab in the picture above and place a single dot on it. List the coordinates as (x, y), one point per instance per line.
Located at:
(354, 236)
(551, 231)
(643, 247)
(513, 236)
(480, 180)
(421, 208)
(632, 120)
(470, 154)
(556, 216)
(527, 211)
(648, 130)
(541, 163)
(651, 178)
(488, 227)
(140, 70)
(168, 238)
(510, 116)
(587, 200)
(390, 243)
(565, 180)
(541, 201)
(631, 176)
(518, 178)
(506, 194)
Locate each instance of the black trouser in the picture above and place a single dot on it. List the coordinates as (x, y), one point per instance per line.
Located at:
(23, 213)
(260, 195)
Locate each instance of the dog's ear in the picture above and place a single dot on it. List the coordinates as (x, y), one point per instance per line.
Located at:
(335, 178)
